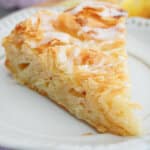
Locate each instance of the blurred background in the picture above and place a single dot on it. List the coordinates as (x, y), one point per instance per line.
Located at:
(134, 7)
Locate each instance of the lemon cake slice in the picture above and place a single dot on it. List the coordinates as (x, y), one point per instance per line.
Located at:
(77, 58)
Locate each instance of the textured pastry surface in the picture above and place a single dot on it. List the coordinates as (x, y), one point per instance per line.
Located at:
(77, 58)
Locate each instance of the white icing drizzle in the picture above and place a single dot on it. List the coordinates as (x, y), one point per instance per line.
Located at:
(103, 34)
(108, 36)
(76, 52)
(109, 10)
(56, 35)
(61, 56)
(49, 32)
(49, 36)
(64, 62)
(85, 4)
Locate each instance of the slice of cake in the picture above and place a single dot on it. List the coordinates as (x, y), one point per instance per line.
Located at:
(77, 58)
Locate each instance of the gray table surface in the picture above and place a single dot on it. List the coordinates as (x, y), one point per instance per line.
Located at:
(4, 12)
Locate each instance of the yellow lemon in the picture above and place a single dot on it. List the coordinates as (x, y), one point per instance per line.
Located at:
(137, 7)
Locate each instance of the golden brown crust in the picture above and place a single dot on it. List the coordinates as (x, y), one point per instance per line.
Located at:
(77, 59)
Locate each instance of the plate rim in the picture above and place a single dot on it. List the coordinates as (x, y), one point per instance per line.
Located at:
(136, 21)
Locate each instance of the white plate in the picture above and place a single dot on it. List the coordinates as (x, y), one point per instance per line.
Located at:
(28, 120)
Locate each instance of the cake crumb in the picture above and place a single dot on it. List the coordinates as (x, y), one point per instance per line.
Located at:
(87, 134)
